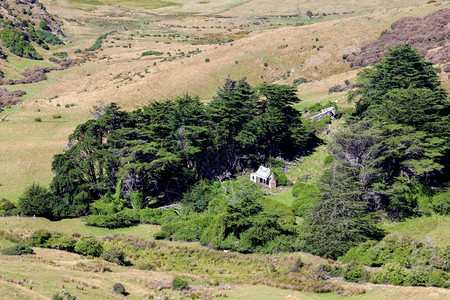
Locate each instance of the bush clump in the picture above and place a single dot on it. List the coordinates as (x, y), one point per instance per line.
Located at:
(114, 255)
(40, 237)
(391, 273)
(64, 295)
(117, 220)
(118, 288)
(89, 245)
(49, 37)
(280, 177)
(151, 52)
(62, 242)
(7, 207)
(17, 250)
(355, 272)
(306, 197)
(98, 42)
(179, 284)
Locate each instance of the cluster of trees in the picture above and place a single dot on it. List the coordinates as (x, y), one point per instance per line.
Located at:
(150, 156)
(233, 215)
(18, 43)
(392, 157)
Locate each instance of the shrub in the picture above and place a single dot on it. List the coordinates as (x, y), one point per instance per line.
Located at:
(280, 177)
(328, 159)
(151, 216)
(50, 38)
(40, 237)
(6, 207)
(207, 60)
(17, 250)
(148, 53)
(63, 296)
(391, 273)
(117, 220)
(276, 163)
(61, 55)
(114, 255)
(307, 196)
(160, 235)
(336, 271)
(299, 263)
(118, 288)
(38, 120)
(89, 246)
(36, 200)
(440, 203)
(354, 272)
(179, 284)
(334, 89)
(44, 24)
(98, 42)
(300, 81)
(62, 242)
(322, 271)
(439, 278)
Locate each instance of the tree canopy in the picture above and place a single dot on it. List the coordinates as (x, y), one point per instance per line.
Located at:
(390, 157)
(161, 149)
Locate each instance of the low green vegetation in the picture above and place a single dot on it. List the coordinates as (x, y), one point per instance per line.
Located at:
(18, 43)
(306, 196)
(17, 250)
(98, 42)
(401, 260)
(235, 216)
(152, 52)
(49, 37)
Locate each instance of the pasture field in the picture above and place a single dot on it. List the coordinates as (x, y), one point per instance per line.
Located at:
(211, 274)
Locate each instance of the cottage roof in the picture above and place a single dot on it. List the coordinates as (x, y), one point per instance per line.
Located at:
(262, 172)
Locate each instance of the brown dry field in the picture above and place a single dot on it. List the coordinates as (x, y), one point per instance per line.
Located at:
(119, 73)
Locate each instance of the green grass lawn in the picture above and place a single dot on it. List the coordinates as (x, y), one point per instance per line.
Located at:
(309, 168)
(33, 89)
(70, 226)
(436, 227)
(24, 63)
(285, 196)
(5, 243)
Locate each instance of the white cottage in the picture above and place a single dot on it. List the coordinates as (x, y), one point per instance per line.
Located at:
(264, 176)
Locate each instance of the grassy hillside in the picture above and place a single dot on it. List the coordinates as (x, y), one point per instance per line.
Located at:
(434, 227)
(119, 73)
(209, 272)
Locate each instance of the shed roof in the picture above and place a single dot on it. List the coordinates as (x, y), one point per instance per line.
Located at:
(262, 172)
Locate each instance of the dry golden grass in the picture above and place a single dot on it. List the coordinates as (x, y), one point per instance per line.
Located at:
(27, 147)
